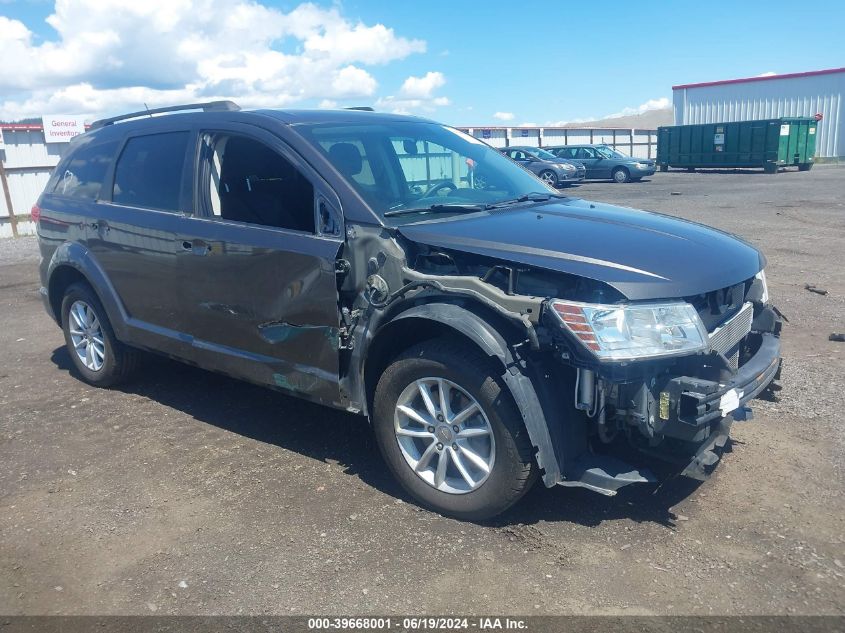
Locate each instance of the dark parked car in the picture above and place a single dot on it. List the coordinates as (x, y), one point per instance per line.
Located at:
(491, 330)
(603, 162)
(552, 170)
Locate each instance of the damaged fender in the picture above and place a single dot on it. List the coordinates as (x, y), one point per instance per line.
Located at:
(522, 388)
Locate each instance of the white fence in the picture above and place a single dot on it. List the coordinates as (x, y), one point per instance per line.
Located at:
(634, 142)
(26, 161)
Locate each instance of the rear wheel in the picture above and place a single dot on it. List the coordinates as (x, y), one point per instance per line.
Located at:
(450, 433)
(620, 175)
(805, 166)
(99, 357)
(549, 177)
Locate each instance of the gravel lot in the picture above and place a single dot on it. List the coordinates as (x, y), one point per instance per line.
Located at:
(190, 493)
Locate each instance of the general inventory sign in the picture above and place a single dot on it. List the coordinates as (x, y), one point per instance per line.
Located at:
(60, 129)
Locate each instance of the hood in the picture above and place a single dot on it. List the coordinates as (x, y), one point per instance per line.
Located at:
(643, 255)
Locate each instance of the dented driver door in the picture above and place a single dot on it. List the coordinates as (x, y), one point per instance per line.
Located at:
(262, 300)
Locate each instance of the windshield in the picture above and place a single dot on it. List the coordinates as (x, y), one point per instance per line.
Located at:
(400, 166)
(541, 153)
(609, 152)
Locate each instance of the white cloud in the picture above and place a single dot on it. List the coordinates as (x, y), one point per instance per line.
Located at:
(111, 55)
(422, 87)
(504, 116)
(416, 95)
(768, 73)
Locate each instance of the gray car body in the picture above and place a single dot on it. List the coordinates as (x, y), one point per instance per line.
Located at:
(527, 157)
(294, 311)
(602, 168)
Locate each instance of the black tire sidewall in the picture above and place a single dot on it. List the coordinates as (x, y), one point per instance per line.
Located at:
(106, 374)
(506, 483)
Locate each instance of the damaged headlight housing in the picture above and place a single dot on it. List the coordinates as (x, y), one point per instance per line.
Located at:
(634, 331)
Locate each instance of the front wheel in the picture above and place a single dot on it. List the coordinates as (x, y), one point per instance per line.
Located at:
(620, 175)
(450, 433)
(549, 177)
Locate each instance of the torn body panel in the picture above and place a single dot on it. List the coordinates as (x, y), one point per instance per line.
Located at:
(643, 404)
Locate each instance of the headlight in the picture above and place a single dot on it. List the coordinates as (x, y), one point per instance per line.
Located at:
(627, 332)
(567, 166)
(762, 277)
(642, 165)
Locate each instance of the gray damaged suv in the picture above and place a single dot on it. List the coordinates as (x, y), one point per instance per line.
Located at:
(492, 330)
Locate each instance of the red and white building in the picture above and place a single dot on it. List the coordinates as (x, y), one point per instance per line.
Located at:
(770, 97)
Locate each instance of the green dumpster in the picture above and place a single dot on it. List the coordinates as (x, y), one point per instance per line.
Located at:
(768, 143)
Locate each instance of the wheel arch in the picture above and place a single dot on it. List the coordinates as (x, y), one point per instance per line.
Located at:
(72, 263)
(493, 337)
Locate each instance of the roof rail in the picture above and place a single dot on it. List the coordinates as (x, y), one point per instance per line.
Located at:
(211, 106)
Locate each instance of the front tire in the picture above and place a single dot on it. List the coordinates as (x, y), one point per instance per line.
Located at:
(621, 175)
(98, 356)
(450, 433)
(549, 177)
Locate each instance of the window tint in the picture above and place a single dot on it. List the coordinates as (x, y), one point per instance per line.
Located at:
(246, 181)
(83, 175)
(586, 152)
(149, 171)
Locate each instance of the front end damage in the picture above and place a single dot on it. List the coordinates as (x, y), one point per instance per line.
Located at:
(595, 423)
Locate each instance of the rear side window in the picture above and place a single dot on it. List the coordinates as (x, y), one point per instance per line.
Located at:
(149, 171)
(83, 175)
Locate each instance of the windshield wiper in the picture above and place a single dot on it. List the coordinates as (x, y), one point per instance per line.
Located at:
(535, 196)
(436, 208)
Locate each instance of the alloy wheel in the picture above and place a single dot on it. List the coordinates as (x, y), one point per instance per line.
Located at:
(86, 334)
(444, 435)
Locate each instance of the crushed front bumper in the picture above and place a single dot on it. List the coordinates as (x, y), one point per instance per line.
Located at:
(688, 404)
(684, 421)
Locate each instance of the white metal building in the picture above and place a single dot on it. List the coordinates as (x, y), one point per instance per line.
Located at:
(770, 97)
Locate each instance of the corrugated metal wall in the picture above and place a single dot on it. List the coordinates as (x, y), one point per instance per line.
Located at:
(28, 161)
(770, 99)
(636, 143)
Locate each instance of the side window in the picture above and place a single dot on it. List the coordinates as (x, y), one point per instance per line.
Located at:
(568, 152)
(149, 171)
(83, 175)
(244, 180)
(586, 152)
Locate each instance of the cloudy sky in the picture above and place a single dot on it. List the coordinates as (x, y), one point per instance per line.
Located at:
(475, 63)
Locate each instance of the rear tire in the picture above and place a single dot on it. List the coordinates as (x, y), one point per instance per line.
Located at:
(98, 356)
(504, 445)
(805, 166)
(621, 175)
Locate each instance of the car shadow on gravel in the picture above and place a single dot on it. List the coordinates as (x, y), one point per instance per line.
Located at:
(328, 435)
